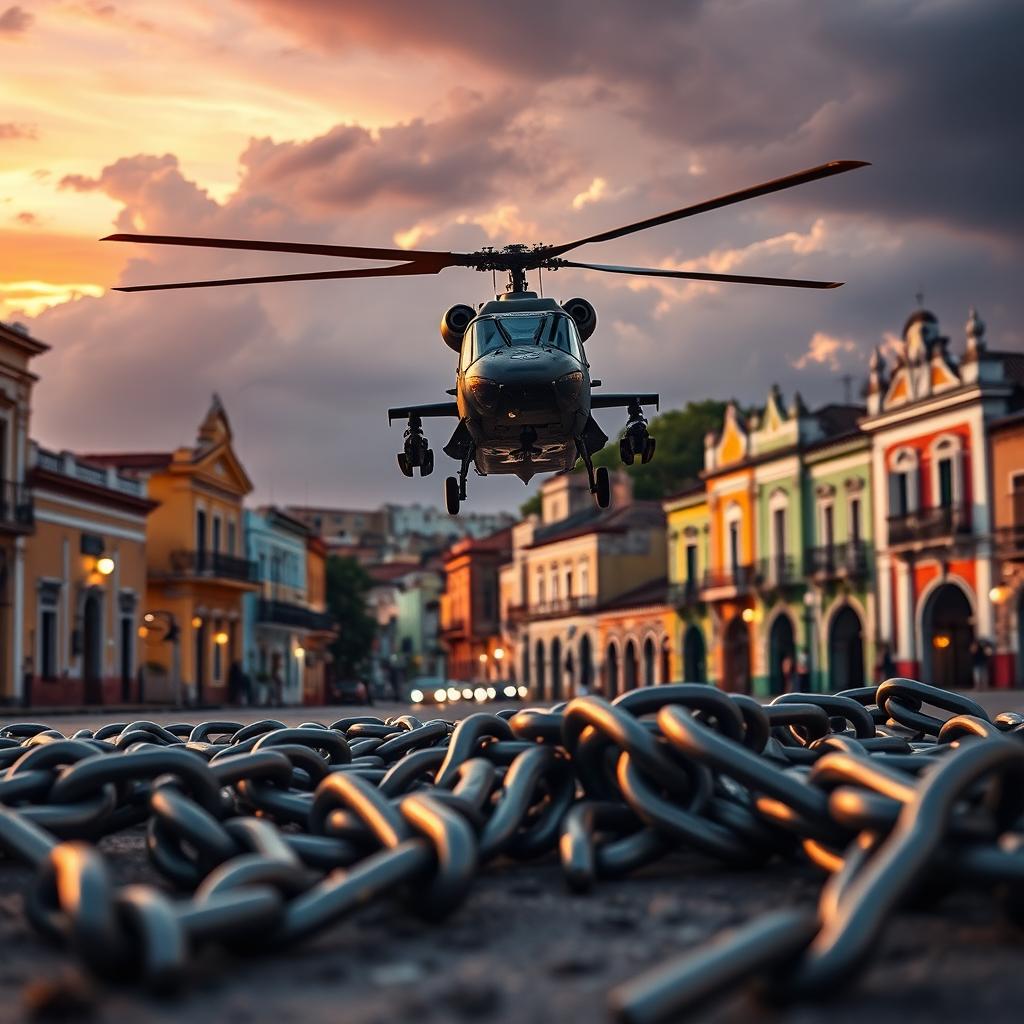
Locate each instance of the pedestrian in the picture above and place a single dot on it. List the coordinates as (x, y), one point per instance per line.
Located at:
(803, 673)
(786, 673)
(980, 656)
(276, 688)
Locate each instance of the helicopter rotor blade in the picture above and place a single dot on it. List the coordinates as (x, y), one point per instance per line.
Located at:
(692, 275)
(777, 185)
(402, 270)
(442, 259)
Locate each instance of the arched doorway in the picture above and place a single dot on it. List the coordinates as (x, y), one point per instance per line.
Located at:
(845, 650)
(630, 668)
(948, 638)
(556, 669)
(586, 670)
(781, 645)
(694, 656)
(737, 656)
(611, 671)
(649, 662)
(666, 661)
(92, 647)
(539, 674)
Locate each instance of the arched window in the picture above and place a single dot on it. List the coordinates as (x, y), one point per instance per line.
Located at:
(778, 506)
(733, 554)
(946, 475)
(649, 662)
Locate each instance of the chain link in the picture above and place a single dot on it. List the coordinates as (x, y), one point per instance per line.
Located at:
(267, 834)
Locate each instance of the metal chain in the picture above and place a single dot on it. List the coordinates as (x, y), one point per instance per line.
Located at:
(267, 834)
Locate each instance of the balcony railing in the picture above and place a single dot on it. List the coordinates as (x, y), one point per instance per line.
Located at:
(453, 626)
(17, 510)
(684, 593)
(213, 564)
(928, 524)
(778, 571)
(835, 560)
(1010, 541)
(739, 578)
(551, 609)
(283, 613)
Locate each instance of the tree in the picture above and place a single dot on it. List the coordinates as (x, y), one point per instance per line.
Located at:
(680, 454)
(531, 507)
(348, 584)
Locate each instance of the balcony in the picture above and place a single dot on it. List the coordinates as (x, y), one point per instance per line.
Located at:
(778, 571)
(684, 593)
(551, 609)
(17, 511)
(839, 561)
(453, 627)
(723, 583)
(925, 525)
(1010, 541)
(212, 565)
(283, 613)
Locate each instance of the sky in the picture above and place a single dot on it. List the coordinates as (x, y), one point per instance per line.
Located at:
(459, 124)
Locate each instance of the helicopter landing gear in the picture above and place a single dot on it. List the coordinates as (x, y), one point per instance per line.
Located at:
(455, 489)
(418, 452)
(600, 482)
(636, 441)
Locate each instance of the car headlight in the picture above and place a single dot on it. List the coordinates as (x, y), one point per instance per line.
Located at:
(570, 384)
(487, 393)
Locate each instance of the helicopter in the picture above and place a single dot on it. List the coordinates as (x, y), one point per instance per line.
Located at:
(523, 396)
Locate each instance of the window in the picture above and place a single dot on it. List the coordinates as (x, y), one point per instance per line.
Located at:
(215, 542)
(585, 579)
(541, 595)
(828, 525)
(903, 494)
(554, 584)
(568, 584)
(734, 546)
(49, 593)
(945, 495)
(218, 659)
(200, 530)
(855, 520)
(779, 532)
(1017, 496)
(691, 563)
(231, 537)
(490, 334)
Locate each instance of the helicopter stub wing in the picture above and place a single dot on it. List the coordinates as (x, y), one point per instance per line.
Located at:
(436, 409)
(622, 401)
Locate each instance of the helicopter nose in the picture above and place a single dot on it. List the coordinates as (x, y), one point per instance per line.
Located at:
(521, 381)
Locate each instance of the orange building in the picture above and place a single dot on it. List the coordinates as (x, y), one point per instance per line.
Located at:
(1006, 445)
(322, 631)
(470, 628)
(85, 583)
(197, 570)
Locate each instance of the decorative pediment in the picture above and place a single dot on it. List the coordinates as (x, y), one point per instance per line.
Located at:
(221, 467)
(734, 442)
(899, 389)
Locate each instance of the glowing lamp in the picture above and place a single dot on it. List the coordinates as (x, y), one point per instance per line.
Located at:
(220, 638)
(105, 565)
(941, 641)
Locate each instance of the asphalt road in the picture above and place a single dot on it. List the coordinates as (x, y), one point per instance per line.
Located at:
(522, 948)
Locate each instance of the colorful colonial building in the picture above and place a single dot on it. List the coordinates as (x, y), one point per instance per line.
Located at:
(470, 625)
(198, 572)
(929, 413)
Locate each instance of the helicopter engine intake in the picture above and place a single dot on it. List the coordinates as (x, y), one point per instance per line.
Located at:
(584, 315)
(454, 324)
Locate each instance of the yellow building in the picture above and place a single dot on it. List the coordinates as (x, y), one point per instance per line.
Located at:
(566, 567)
(322, 632)
(197, 570)
(84, 583)
(17, 349)
(689, 558)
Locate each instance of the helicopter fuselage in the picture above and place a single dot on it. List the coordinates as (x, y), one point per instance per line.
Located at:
(523, 387)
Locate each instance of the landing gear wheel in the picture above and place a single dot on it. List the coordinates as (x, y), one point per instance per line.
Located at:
(427, 465)
(625, 451)
(603, 491)
(451, 495)
(648, 452)
(403, 464)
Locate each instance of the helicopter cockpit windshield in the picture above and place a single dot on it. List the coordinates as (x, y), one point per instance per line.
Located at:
(549, 330)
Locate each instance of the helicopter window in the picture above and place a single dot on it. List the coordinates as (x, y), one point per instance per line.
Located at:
(516, 329)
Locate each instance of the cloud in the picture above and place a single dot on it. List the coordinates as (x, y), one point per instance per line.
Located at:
(594, 191)
(12, 130)
(26, 217)
(825, 351)
(14, 21)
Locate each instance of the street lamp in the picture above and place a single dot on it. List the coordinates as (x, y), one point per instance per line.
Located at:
(105, 565)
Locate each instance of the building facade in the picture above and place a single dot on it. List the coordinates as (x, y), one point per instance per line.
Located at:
(85, 583)
(198, 572)
(470, 608)
(283, 629)
(928, 417)
(17, 350)
(565, 567)
(323, 628)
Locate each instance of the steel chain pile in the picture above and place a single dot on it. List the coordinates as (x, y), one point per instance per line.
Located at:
(267, 834)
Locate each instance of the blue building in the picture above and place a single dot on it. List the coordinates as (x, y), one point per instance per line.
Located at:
(278, 616)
